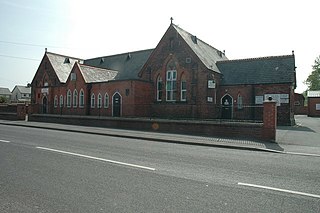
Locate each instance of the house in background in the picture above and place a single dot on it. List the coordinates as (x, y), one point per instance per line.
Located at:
(183, 77)
(5, 94)
(21, 94)
(313, 103)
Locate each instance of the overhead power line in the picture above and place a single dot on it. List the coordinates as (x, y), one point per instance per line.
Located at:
(16, 57)
(32, 45)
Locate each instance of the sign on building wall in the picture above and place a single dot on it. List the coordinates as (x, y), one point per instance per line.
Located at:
(211, 84)
(317, 106)
(209, 99)
(279, 98)
(45, 90)
(259, 99)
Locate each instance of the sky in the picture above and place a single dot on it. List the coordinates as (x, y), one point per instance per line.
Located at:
(95, 28)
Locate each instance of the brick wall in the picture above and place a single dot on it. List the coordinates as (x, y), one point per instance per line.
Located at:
(312, 112)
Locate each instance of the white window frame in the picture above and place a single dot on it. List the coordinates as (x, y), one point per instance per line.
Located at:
(69, 98)
(183, 91)
(106, 100)
(75, 98)
(99, 101)
(81, 99)
(55, 101)
(61, 101)
(159, 88)
(240, 102)
(92, 100)
(171, 85)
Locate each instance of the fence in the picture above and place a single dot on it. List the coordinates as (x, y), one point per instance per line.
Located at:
(175, 111)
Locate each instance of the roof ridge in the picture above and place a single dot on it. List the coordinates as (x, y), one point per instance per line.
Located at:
(125, 53)
(90, 66)
(57, 54)
(255, 58)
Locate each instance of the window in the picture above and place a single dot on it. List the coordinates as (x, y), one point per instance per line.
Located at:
(171, 85)
(75, 98)
(159, 88)
(61, 100)
(92, 100)
(81, 98)
(69, 98)
(183, 89)
(240, 102)
(99, 101)
(106, 100)
(55, 101)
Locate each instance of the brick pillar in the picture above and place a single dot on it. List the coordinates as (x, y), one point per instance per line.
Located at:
(269, 120)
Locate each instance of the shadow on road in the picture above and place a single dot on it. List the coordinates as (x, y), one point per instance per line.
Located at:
(295, 128)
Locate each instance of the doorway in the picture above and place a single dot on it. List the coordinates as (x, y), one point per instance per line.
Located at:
(227, 105)
(45, 105)
(116, 105)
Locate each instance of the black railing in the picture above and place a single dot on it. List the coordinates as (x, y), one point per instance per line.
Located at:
(166, 111)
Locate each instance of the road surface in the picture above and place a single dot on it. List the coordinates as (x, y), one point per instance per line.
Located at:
(57, 171)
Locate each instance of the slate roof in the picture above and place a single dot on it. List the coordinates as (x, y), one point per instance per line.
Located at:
(206, 53)
(4, 91)
(128, 65)
(23, 89)
(266, 70)
(95, 75)
(62, 65)
(313, 94)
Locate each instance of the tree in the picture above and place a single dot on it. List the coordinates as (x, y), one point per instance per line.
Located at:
(313, 80)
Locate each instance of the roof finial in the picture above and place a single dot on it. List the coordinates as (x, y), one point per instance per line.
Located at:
(171, 19)
(45, 49)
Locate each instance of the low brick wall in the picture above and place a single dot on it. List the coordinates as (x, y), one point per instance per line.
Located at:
(222, 129)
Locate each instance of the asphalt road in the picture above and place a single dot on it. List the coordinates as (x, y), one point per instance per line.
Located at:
(54, 171)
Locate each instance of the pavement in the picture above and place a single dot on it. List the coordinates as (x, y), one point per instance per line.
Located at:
(301, 139)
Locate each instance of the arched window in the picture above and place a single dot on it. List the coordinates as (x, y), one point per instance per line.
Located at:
(171, 85)
(81, 98)
(93, 99)
(99, 104)
(75, 98)
(61, 100)
(55, 101)
(240, 102)
(69, 98)
(106, 100)
(159, 88)
(183, 89)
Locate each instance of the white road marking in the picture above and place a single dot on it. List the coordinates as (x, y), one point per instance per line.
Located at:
(280, 190)
(303, 154)
(4, 141)
(95, 158)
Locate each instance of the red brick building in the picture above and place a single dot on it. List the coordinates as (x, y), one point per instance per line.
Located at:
(183, 77)
(313, 103)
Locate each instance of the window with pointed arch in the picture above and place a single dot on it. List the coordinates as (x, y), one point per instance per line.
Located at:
(159, 88)
(75, 98)
(171, 85)
(240, 102)
(69, 98)
(93, 99)
(106, 100)
(61, 101)
(81, 99)
(55, 101)
(99, 104)
(183, 89)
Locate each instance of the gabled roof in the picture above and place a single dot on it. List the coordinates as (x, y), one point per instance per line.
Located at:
(265, 70)
(62, 65)
(313, 94)
(93, 74)
(4, 91)
(206, 53)
(128, 65)
(23, 89)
